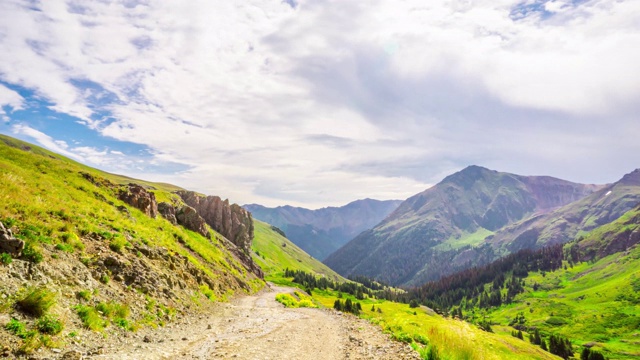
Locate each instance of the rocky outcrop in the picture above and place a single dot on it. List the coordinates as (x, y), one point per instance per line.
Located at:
(168, 212)
(231, 221)
(190, 219)
(138, 197)
(8, 243)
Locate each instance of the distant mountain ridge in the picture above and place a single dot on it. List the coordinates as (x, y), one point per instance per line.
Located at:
(444, 229)
(321, 232)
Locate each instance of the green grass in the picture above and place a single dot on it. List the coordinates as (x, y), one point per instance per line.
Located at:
(465, 239)
(49, 202)
(297, 300)
(275, 253)
(49, 324)
(591, 302)
(37, 301)
(431, 333)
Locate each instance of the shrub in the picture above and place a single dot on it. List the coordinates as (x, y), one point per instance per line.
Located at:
(37, 301)
(90, 317)
(113, 310)
(117, 244)
(105, 279)
(84, 295)
(49, 324)
(5, 259)
(32, 253)
(16, 328)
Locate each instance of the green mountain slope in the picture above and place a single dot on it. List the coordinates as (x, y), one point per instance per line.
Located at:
(323, 231)
(275, 253)
(410, 246)
(81, 238)
(587, 290)
(595, 302)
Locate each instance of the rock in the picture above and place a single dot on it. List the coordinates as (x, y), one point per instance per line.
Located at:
(138, 197)
(147, 339)
(72, 355)
(231, 221)
(168, 212)
(8, 243)
(190, 219)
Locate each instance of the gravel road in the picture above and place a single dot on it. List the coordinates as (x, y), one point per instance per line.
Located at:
(258, 327)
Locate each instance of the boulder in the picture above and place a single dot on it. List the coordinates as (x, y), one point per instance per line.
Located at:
(138, 197)
(8, 243)
(190, 219)
(168, 212)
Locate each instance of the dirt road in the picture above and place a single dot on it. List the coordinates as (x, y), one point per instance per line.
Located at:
(257, 327)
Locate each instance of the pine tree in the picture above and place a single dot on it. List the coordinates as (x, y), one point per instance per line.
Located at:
(543, 345)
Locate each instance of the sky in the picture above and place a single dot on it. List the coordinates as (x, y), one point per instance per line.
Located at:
(318, 103)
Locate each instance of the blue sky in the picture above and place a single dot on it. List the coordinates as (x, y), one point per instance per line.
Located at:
(318, 103)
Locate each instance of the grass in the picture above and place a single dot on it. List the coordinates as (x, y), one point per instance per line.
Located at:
(49, 324)
(432, 335)
(90, 317)
(276, 253)
(589, 302)
(54, 205)
(37, 301)
(297, 300)
(5, 259)
(464, 239)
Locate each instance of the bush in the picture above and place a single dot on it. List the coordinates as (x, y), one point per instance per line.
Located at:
(49, 324)
(16, 328)
(37, 302)
(90, 317)
(117, 244)
(84, 295)
(5, 259)
(32, 253)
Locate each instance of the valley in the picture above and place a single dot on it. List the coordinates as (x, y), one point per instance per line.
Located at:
(96, 265)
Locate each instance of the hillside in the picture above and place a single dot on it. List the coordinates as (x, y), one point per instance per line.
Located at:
(586, 291)
(96, 251)
(445, 221)
(567, 222)
(275, 253)
(323, 231)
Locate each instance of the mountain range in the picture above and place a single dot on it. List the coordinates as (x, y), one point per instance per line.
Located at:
(323, 231)
(475, 216)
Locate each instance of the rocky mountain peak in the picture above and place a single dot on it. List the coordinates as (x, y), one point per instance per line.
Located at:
(632, 178)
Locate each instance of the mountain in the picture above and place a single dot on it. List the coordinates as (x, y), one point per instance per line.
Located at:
(321, 232)
(567, 222)
(587, 290)
(430, 233)
(275, 253)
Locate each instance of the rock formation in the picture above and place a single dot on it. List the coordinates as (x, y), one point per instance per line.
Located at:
(190, 219)
(138, 197)
(168, 212)
(231, 221)
(8, 243)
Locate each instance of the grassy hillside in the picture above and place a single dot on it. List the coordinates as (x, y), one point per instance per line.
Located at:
(275, 253)
(596, 303)
(423, 329)
(89, 251)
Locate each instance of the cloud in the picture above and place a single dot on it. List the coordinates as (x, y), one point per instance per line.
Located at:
(9, 101)
(320, 102)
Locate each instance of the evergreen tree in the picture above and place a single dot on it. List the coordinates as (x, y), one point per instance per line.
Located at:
(543, 345)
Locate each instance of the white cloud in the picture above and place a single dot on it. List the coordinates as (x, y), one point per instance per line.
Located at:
(328, 101)
(11, 100)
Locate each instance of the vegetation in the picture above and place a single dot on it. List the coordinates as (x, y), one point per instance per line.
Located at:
(297, 300)
(49, 324)
(278, 253)
(37, 301)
